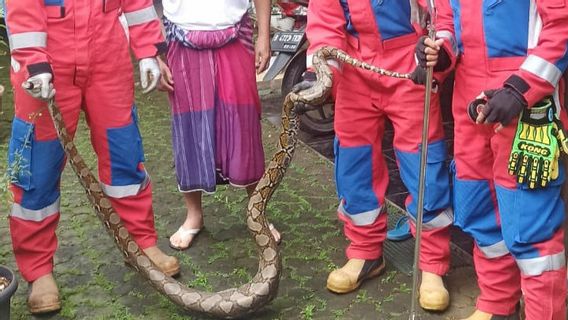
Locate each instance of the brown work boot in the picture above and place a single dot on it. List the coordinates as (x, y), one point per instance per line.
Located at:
(480, 315)
(353, 273)
(433, 294)
(168, 264)
(44, 295)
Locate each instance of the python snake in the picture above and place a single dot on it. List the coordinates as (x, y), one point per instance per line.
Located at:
(234, 302)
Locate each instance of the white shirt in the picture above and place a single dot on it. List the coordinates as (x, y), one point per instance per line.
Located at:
(205, 14)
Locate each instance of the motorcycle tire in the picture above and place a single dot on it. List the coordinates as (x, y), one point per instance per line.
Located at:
(317, 122)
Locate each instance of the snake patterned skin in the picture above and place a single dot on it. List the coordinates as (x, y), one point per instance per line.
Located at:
(234, 302)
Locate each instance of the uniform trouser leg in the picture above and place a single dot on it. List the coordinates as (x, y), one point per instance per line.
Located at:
(438, 214)
(476, 213)
(113, 120)
(497, 273)
(532, 229)
(499, 283)
(34, 145)
(36, 160)
(360, 169)
(361, 180)
(362, 175)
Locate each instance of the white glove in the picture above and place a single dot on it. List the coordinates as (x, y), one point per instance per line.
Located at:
(149, 69)
(40, 86)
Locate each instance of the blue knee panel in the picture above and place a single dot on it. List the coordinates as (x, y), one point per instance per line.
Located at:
(36, 165)
(437, 192)
(126, 153)
(530, 216)
(354, 178)
(474, 211)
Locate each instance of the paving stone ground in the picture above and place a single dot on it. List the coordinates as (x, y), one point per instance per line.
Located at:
(95, 284)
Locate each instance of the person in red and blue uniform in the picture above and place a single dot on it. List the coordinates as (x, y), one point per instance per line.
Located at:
(77, 52)
(383, 33)
(518, 51)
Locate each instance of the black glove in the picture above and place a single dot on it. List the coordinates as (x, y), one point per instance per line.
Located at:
(444, 60)
(418, 76)
(503, 105)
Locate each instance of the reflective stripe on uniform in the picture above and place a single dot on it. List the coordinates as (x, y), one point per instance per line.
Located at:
(535, 26)
(35, 215)
(443, 219)
(415, 12)
(496, 250)
(536, 266)
(125, 191)
(363, 218)
(141, 16)
(542, 69)
(28, 40)
(450, 37)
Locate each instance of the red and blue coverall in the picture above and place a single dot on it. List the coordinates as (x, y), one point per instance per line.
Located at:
(383, 33)
(85, 47)
(524, 42)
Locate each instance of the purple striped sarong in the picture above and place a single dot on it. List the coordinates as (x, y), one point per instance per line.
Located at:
(216, 129)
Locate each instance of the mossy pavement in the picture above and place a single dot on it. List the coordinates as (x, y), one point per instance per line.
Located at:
(95, 284)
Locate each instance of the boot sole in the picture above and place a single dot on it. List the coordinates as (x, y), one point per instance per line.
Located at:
(375, 273)
(46, 309)
(433, 307)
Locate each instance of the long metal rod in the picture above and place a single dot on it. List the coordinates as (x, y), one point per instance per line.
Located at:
(422, 180)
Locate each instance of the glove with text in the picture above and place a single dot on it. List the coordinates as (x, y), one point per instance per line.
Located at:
(536, 147)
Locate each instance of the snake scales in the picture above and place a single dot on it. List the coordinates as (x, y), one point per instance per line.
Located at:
(234, 302)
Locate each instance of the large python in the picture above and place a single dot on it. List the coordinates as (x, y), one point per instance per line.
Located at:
(234, 302)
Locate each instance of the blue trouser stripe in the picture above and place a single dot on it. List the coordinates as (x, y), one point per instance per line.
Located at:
(126, 153)
(474, 211)
(530, 216)
(437, 192)
(527, 216)
(354, 178)
(36, 166)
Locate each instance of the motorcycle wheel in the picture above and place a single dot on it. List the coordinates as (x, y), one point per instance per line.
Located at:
(318, 122)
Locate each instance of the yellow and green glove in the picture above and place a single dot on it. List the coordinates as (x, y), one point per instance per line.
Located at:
(536, 147)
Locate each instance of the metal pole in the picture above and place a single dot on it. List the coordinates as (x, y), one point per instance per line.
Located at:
(422, 177)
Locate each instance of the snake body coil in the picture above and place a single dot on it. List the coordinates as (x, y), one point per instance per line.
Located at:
(234, 302)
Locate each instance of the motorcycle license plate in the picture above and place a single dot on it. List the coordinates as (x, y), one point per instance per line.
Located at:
(286, 41)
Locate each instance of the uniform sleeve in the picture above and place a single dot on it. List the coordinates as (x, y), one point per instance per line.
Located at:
(541, 71)
(326, 27)
(445, 30)
(146, 38)
(27, 26)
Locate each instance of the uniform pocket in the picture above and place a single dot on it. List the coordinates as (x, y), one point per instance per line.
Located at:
(532, 215)
(556, 4)
(139, 138)
(353, 41)
(499, 16)
(20, 154)
(111, 5)
(55, 9)
(126, 153)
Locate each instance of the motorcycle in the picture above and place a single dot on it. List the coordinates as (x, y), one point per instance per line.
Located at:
(290, 45)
